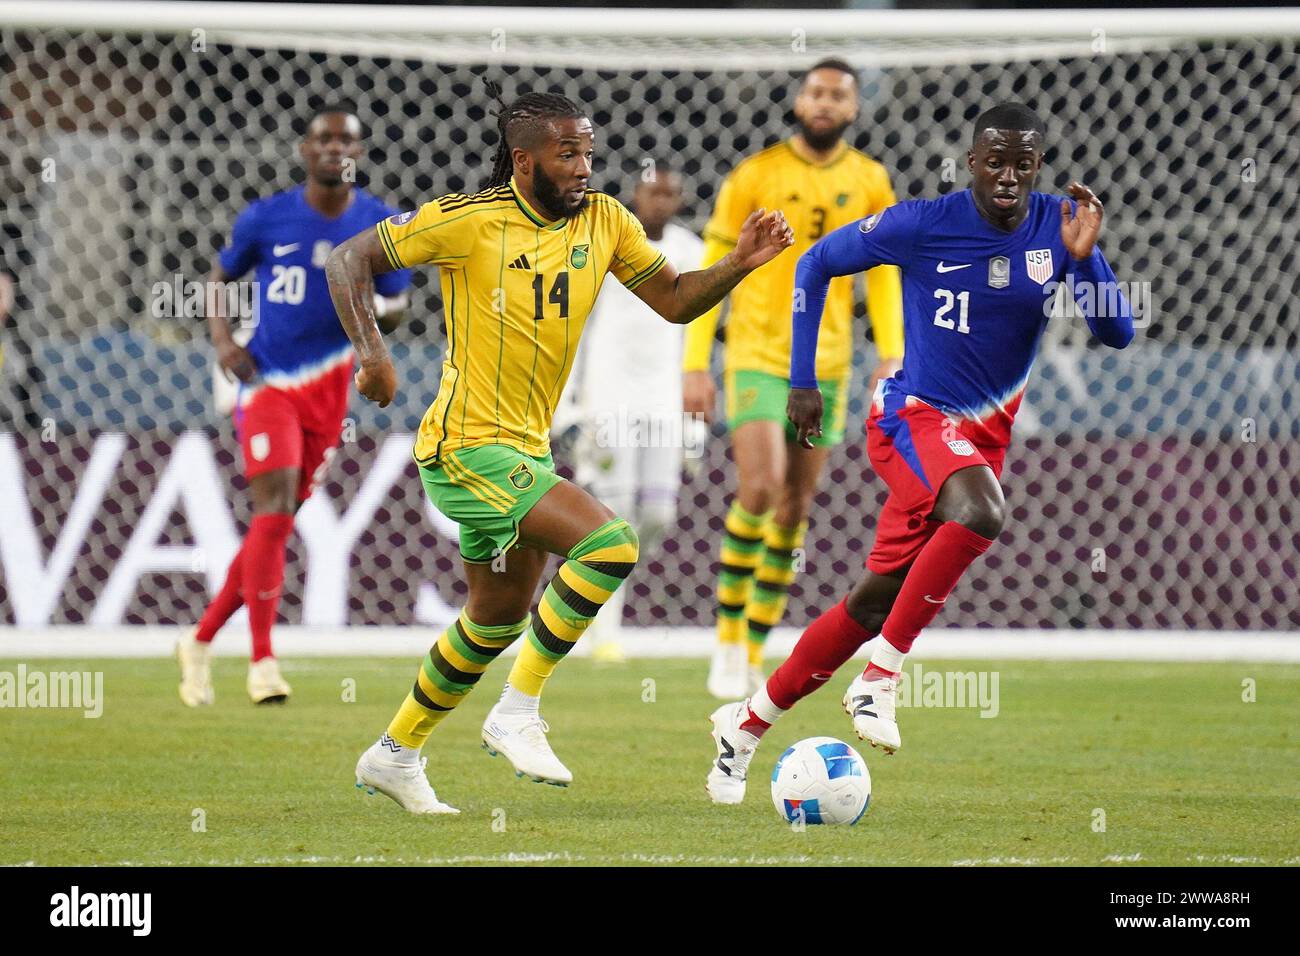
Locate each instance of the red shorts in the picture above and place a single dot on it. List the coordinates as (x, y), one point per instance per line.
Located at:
(914, 447)
(294, 428)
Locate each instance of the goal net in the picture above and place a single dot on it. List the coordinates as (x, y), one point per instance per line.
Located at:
(1150, 488)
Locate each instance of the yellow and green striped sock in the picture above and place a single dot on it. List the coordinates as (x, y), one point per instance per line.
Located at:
(596, 567)
(766, 604)
(449, 672)
(742, 550)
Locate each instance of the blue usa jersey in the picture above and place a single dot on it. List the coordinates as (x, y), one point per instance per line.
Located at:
(975, 302)
(298, 338)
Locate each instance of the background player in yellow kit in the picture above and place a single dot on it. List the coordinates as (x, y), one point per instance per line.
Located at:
(521, 264)
(821, 183)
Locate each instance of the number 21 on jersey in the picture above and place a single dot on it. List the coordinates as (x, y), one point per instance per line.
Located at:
(946, 300)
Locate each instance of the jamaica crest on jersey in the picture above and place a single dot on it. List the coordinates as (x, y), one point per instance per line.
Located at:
(578, 257)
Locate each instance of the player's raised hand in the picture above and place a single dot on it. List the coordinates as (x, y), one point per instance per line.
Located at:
(804, 409)
(377, 381)
(762, 238)
(1079, 232)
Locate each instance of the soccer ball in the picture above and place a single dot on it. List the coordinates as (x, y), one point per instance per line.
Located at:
(821, 780)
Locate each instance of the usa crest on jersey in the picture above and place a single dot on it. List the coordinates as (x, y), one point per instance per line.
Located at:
(1038, 263)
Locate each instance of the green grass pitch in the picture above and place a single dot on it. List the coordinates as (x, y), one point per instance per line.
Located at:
(1184, 771)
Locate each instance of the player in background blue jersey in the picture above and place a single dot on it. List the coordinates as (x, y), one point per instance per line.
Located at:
(294, 378)
(981, 268)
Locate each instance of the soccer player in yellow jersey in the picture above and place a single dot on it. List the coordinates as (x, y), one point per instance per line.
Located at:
(821, 183)
(521, 264)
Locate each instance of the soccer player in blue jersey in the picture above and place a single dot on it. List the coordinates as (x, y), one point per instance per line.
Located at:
(980, 270)
(294, 377)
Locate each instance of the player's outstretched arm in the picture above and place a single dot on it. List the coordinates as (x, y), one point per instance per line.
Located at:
(839, 254)
(351, 270)
(1107, 309)
(680, 297)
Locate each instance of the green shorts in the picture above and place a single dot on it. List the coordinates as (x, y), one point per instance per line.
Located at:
(761, 397)
(487, 490)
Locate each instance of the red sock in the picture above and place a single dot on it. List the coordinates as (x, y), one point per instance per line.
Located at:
(264, 576)
(933, 575)
(753, 723)
(228, 600)
(828, 642)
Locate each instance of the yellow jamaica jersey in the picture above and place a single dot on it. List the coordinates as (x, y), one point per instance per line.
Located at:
(516, 291)
(816, 199)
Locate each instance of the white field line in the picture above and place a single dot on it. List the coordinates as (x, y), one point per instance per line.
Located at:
(692, 642)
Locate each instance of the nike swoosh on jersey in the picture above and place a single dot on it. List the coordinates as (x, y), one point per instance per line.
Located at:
(943, 268)
(285, 250)
(932, 600)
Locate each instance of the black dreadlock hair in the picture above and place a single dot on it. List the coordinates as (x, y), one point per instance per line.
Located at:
(519, 122)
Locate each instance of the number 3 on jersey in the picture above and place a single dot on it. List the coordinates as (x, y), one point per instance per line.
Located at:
(945, 306)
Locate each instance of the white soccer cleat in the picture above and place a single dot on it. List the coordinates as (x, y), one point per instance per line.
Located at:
(522, 739)
(726, 782)
(728, 671)
(403, 783)
(265, 684)
(196, 670)
(872, 705)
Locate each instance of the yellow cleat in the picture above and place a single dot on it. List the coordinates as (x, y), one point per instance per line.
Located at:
(196, 670)
(265, 684)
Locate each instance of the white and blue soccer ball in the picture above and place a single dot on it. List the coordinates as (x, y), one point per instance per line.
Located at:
(821, 780)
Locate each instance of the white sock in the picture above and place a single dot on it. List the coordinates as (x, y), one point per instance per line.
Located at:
(398, 753)
(763, 708)
(887, 657)
(517, 702)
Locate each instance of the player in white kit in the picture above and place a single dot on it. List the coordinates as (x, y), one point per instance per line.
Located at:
(626, 393)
